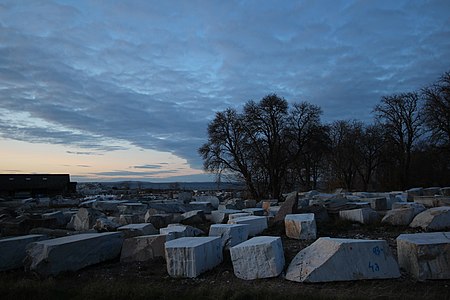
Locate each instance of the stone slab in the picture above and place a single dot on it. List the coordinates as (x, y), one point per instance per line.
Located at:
(259, 257)
(433, 219)
(231, 234)
(72, 253)
(191, 256)
(143, 248)
(255, 211)
(425, 255)
(132, 230)
(300, 226)
(12, 250)
(361, 215)
(256, 224)
(331, 259)
(221, 216)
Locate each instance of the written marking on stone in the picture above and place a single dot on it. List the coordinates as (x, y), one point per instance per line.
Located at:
(377, 250)
(374, 267)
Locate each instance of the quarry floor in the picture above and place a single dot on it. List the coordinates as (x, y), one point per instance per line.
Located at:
(115, 280)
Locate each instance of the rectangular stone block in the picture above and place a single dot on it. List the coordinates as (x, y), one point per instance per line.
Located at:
(132, 230)
(256, 224)
(255, 211)
(238, 215)
(12, 250)
(221, 216)
(191, 256)
(72, 253)
(361, 215)
(300, 226)
(425, 255)
(378, 203)
(143, 248)
(231, 234)
(259, 257)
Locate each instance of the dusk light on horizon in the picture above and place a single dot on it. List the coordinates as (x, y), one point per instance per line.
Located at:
(124, 90)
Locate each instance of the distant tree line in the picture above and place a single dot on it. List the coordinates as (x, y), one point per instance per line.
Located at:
(274, 147)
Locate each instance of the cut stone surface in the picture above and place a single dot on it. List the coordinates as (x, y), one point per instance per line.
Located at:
(378, 203)
(72, 253)
(175, 231)
(104, 224)
(108, 205)
(300, 226)
(231, 234)
(254, 211)
(207, 207)
(12, 250)
(433, 201)
(289, 206)
(221, 216)
(143, 248)
(361, 215)
(191, 256)
(193, 217)
(425, 255)
(238, 215)
(256, 224)
(399, 216)
(132, 230)
(418, 207)
(431, 191)
(132, 208)
(330, 259)
(433, 219)
(211, 199)
(259, 257)
(84, 219)
(158, 220)
(128, 219)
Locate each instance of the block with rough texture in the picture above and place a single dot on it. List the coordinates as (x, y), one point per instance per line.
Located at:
(330, 259)
(132, 208)
(254, 211)
(191, 256)
(300, 226)
(425, 255)
(143, 248)
(221, 216)
(211, 199)
(132, 230)
(175, 231)
(72, 253)
(231, 234)
(289, 206)
(238, 215)
(433, 219)
(399, 216)
(378, 203)
(256, 224)
(206, 206)
(12, 250)
(361, 215)
(259, 257)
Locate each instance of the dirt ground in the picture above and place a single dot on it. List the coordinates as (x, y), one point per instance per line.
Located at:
(115, 280)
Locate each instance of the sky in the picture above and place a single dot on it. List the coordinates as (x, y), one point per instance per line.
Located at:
(124, 90)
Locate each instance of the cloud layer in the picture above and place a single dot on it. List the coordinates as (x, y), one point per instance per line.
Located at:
(98, 74)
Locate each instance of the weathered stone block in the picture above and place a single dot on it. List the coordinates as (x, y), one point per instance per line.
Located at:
(132, 230)
(231, 234)
(256, 224)
(361, 215)
(191, 256)
(84, 219)
(143, 248)
(211, 199)
(221, 216)
(433, 219)
(254, 211)
(259, 257)
(132, 208)
(378, 203)
(193, 217)
(110, 206)
(399, 216)
(238, 215)
(205, 206)
(250, 203)
(158, 220)
(72, 253)
(425, 255)
(175, 231)
(12, 250)
(300, 226)
(330, 259)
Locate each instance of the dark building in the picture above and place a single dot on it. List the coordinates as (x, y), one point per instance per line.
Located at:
(33, 185)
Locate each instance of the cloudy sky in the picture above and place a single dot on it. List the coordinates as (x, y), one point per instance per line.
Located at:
(113, 90)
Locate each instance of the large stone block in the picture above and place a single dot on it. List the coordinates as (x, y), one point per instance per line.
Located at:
(256, 224)
(231, 234)
(255, 211)
(191, 256)
(433, 219)
(110, 206)
(425, 255)
(259, 257)
(207, 207)
(193, 217)
(132, 230)
(84, 219)
(211, 199)
(361, 215)
(399, 216)
(12, 250)
(143, 248)
(132, 208)
(221, 216)
(175, 231)
(289, 206)
(300, 226)
(72, 253)
(158, 220)
(378, 203)
(330, 259)
(433, 201)
(238, 215)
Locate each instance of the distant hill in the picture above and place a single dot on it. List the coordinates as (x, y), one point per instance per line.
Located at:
(166, 185)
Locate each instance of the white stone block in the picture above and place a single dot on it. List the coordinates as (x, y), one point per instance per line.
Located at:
(238, 215)
(399, 216)
(256, 224)
(132, 208)
(143, 248)
(175, 231)
(378, 203)
(207, 207)
(221, 216)
(360, 215)
(12, 250)
(72, 253)
(231, 234)
(425, 255)
(211, 199)
(300, 226)
(132, 230)
(255, 211)
(259, 257)
(330, 259)
(191, 256)
(433, 219)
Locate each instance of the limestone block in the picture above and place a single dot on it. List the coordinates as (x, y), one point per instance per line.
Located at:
(191, 256)
(143, 248)
(128, 219)
(399, 216)
(132, 230)
(300, 226)
(433, 201)
(418, 207)
(72, 253)
(104, 224)
(254, 211)
(231, 234)
(414, 192)
(207, 207)
(175, 231)
(378, 203)
(211, 199)
(158, 220)
(193, 217)
(259, 257)
(360, 215)
(256, 224)
(431, 191)
(425, 255)
(250, 203)
(85, 218)
(331, 259)
(132, 208)
(110, 206)
(433, 219)
(221, 216)
(12, 250)
(58, 216)
(238, 215)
